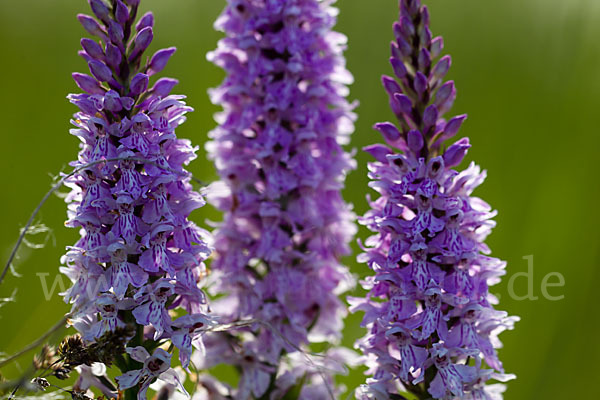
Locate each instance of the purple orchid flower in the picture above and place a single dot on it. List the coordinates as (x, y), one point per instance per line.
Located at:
(187, 332)
(90, 376)
(156, 366)
(151, 309)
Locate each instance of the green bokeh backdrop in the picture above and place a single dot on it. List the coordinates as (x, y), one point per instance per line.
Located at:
(527, 75)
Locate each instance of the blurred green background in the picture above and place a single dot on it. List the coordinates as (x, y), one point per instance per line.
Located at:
(527, 75)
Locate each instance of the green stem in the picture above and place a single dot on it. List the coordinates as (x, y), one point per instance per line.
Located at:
(131, 393)
(126, 363)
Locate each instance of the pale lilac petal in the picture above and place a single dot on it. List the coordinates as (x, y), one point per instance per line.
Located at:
(129, 379)
(171, 377)
(138, 353)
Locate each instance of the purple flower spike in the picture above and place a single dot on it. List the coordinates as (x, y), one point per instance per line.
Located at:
(139, 256)
(431, 325)
(278, 153)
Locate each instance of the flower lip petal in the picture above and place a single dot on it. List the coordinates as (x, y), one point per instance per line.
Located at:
(172, 378)
(129, 379)
(138, 353)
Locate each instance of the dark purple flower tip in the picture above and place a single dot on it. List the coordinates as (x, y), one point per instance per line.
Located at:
(159, 60)
(113, 55)
(404, 103)
(405, 27)
(445, 94)
(441, 68)
(163, 86)
(413, 6)
(378, 151)
(415, 141)
(142, 41)
(455, 153)
(85, 56)
(430, 116)
(147, 21)
(388, 130)
(420, 83)
(399, 68)
(139, 84)
(390, 85)
(133, 3)
(87, 83)
(100, 10)
(425, 18)
(91, 25)
(115, 33)
(100, 71)
(395, 51)
(92, 48)
(437, 45)
(397, 30)
(424, 59)
(453, 126)
(425, 37)
(404, 46)
(121, 13)
(112, 101)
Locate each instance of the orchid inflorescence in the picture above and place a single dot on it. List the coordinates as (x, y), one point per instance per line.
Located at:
(432, 326)
(139, 258)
